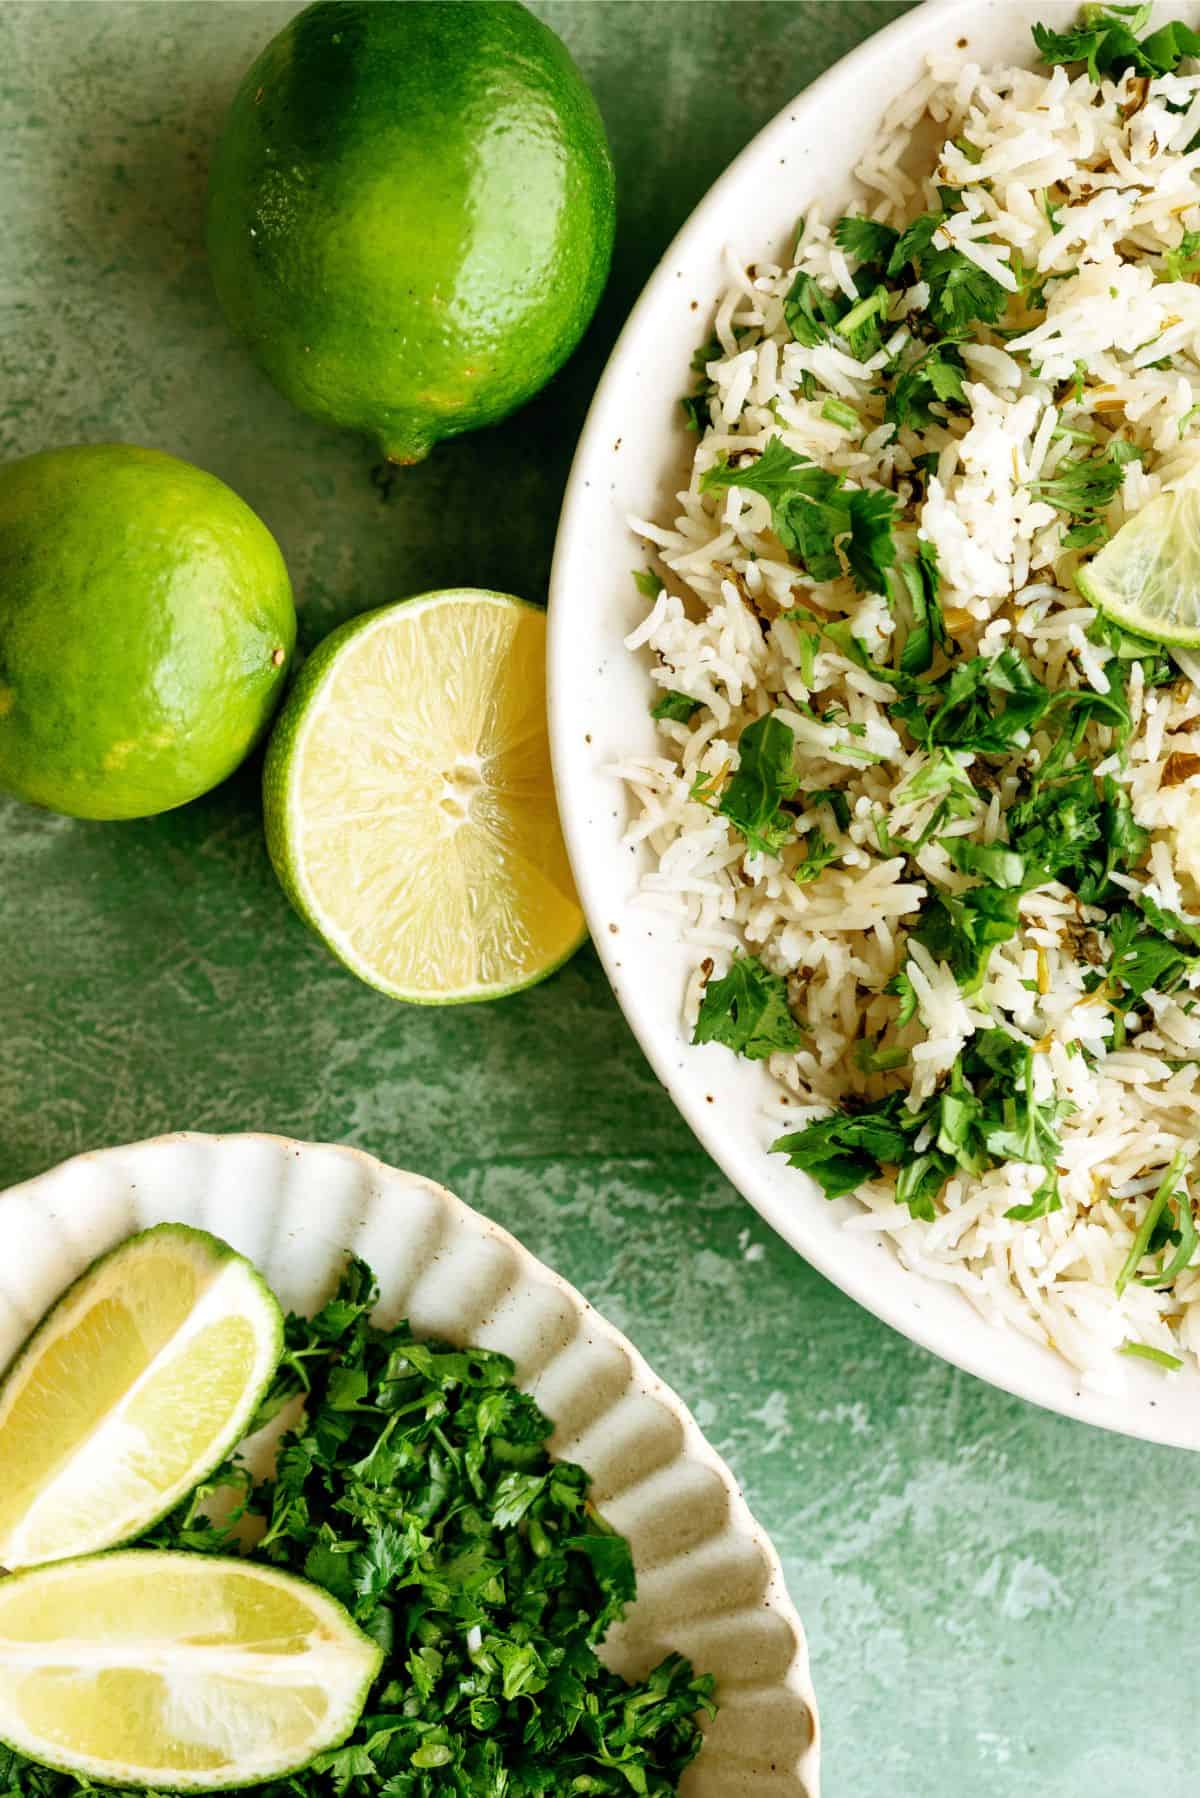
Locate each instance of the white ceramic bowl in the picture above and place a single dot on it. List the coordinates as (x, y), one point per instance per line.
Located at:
(709, 1581)
(632, 457)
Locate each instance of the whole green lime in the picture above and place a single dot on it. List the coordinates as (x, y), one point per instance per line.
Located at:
(411, 214)
(146, 626)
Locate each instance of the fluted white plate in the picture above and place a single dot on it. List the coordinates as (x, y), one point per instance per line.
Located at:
(709, 1581)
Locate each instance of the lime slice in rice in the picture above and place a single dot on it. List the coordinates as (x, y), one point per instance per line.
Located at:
(142, 1378)
(1148, 578)
(180, 1672)
(409, 803)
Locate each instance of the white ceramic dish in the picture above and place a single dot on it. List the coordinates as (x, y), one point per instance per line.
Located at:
(631, 458)
(710, 1584)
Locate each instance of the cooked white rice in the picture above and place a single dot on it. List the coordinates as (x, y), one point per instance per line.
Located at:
(1114, 156)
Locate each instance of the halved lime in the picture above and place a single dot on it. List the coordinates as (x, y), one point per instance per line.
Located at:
(142, 1378)
(177, 1671)
(409, 803)
(1148, 577)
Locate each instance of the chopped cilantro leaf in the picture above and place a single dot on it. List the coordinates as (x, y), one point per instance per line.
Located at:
(1106, 40)
(937, 374)
(960, 292)
(921, 1179)
(944, 774)
(993, 862)
(963, 929)
(901, 987)
(870, 547)
(696, 410)
(647, 583)
(779, 474)
(680, 708)
(809, 312)
(711, 350)
(914, 242)
(988, 1113)
(1043, 1201)
(696, 404)
(1143, 958)
(837, 802)
(1157, 666)
(747, 1010)
(868, 241)
(805, 510)
(1162, 919)
(989, 704)
(1183, 261)
(765, 777)
(928, 628)
(1084, 485)
(842, 1151)
(1069, 829)
(819, 853)
(816, 516)
(1085, 536)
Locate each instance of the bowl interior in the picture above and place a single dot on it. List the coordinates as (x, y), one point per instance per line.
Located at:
(709, 1581)
(631, 458)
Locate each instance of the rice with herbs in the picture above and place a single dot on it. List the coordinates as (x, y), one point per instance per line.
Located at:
(948, 887)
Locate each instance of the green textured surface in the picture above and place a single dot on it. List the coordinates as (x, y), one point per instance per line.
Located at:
(995, 1598)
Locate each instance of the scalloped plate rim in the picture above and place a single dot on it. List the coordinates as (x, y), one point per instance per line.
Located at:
(694, 1448)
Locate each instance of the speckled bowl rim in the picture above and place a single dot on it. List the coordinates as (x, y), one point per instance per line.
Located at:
(631, 456)
(134, 1170)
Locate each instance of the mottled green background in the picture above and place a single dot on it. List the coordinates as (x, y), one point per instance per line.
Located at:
(998, 1602)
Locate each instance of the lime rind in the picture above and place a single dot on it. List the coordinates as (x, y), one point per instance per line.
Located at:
(215, 1258)
(282, 813)
(1147, 579)
(363, 1659)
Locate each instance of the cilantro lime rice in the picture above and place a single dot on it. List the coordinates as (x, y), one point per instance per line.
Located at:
(930, 821)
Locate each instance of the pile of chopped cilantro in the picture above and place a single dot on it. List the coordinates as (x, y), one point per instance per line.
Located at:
(417, 1489)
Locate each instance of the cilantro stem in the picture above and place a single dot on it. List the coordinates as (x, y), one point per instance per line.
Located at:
(1144, 1352)
(871, 1060)
(864, 310)
(1146, 1229)
(1072, 433)
(1187, 1244)
(837, 412)
(856, 754)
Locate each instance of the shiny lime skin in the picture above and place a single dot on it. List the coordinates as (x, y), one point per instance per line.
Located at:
(146, 626)
(411, 214)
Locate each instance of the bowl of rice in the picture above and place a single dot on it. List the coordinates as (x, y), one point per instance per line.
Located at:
(885, 819)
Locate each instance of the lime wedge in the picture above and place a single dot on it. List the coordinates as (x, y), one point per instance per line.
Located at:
(1148, 577)
(409, 803)
(142, 1378)
(176, 1671)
